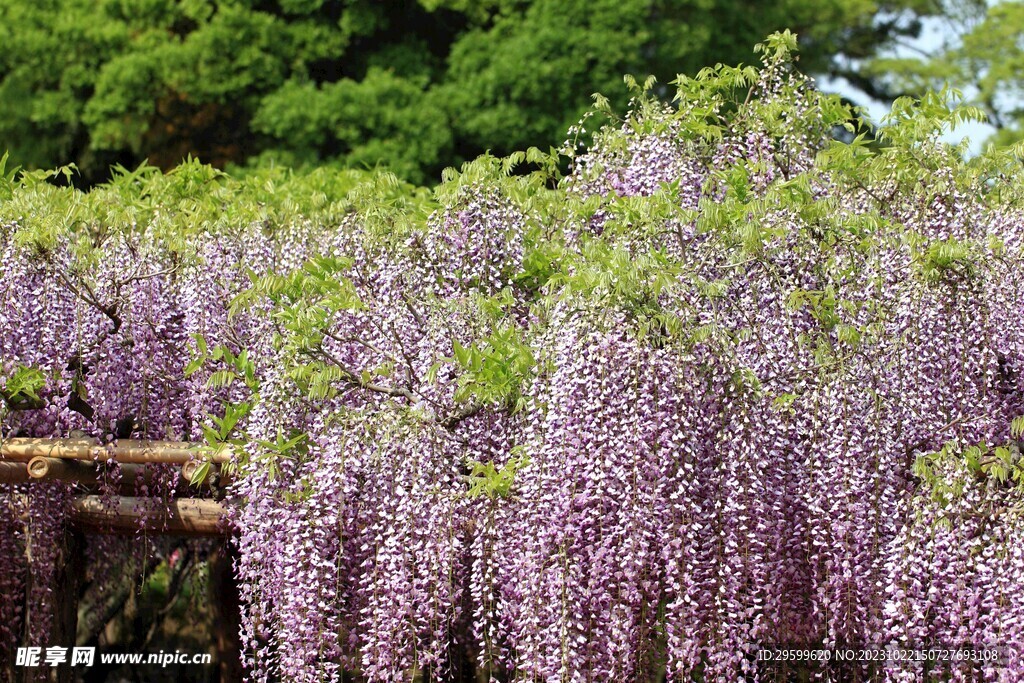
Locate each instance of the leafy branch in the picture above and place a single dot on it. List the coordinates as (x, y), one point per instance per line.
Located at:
(22, 389)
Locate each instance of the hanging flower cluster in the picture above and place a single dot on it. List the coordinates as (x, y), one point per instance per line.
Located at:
(729, 384)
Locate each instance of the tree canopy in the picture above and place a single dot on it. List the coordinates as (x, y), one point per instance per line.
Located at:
(415, 86)
(982, 54)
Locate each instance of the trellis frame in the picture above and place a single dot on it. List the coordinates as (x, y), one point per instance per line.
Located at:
(78, 461)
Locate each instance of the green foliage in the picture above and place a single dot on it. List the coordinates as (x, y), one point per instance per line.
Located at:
(618, 278)
(219, 435)
(383, 119)
(308, 298)
(944, 473)
(291, 446)
(7, 178)
(946, 259)
(488, 480)
(191, 199)
(1017, 427)
(305, 303)
(540, 264)
(413, 86)
(495, 369)
(226, 369)
(227, 431)
(22, 387)
(233, 367)
(928, 117)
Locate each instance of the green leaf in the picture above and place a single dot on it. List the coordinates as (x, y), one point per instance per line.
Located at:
(1017, 427)
(461, 354)
(199, 474)
(211, 435)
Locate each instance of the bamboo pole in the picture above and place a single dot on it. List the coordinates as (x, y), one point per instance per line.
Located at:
(82, 472)
(13, 473)
(124, 451)
(182, 516)
(56, 469)
(41, 468)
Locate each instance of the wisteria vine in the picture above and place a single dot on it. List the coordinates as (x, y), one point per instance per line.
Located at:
(729, 382)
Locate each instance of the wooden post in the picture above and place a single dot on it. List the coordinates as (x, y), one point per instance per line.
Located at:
(67, 586)
(61, 607)
(227, 620)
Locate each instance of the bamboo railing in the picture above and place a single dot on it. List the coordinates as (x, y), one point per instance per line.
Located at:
(77, 461)
(124, 451)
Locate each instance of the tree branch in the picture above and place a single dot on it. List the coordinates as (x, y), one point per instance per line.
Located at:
(452, 421)
(449, 423)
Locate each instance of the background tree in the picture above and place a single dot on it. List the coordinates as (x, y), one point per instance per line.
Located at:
(416, 86)
(982, 53)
